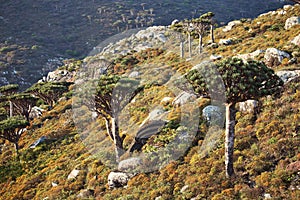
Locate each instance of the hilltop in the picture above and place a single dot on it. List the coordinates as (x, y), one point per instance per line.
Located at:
(68, 163)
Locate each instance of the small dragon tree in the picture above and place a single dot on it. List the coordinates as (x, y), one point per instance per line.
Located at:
(8, 90)
(111, 96)
(242, 81)
(201, 25)
(49, 92)
(12, 128)
(23, 103)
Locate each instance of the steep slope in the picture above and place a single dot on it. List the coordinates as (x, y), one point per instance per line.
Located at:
(267, 144)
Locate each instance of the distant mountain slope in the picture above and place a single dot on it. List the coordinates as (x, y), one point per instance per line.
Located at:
(36, 35)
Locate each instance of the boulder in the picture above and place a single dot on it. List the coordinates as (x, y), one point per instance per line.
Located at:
(175, 21)
(249, 106)
(273, 57)
(183, 98)
(74, 173)
(231, 24)
(213, 114)
(184, 188)
(287, 76)
(166, 100)
(296, 40)
(250, 56)
(292, 21)
(117, 179)
(36, 112)
(38, 141)
(57, 75)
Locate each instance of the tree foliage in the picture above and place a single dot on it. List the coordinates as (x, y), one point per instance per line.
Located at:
(49, 92)
(12, 128)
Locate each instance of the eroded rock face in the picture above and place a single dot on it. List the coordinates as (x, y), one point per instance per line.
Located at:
(117, 179)
(292, 21)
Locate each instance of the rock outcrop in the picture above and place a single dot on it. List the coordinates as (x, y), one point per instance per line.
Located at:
(273, 57)
(292, 21)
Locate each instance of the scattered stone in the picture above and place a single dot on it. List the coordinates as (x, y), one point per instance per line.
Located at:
(184, 188)
(117, 179)
(287, 7)
(296, 40)
(287, 76)
(38, 141)
(215, 57)
(166, 100)
(175, 21)
(249, 106)
(73, 174)
(57, 75)
(267, 196)
(85, 194)
(54, 184)
(158, 198)
(292, 21)
(225, 42)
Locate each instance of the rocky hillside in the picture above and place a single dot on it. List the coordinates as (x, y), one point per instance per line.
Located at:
(31, 47)
(58, 160)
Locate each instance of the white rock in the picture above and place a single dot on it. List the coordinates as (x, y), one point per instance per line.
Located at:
(287, 76)
(166, 100)
(275, 55)
(215, 57)
(73, 174)
(296, 40)
(267, 196)
(248, 106)
(213, 114)
(250, 56)
(184, 188)
(287, 7)
(231, 24)
(117, 179)
(134, 74)
(225, 41)
(54, 184)
(292, 21)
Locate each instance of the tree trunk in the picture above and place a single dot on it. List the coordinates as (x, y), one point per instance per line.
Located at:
(17, 148)
(181, 47)
(212, 37)
(200, 43)
(190, 45)
(10, 109)
(229, 138)
(118, 142)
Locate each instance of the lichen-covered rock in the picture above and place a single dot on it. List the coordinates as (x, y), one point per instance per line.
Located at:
(292, 21)
(250, 56)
